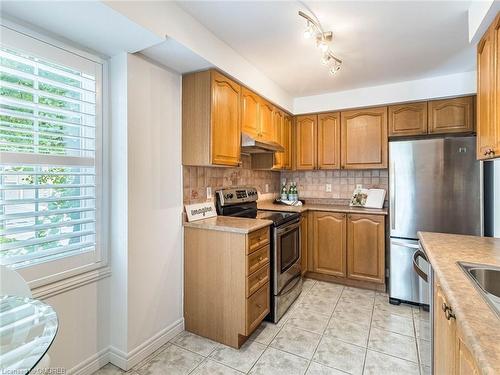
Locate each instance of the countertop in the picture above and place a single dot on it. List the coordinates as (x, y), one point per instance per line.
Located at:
(229, 224)
(269, 205)
(476, 320)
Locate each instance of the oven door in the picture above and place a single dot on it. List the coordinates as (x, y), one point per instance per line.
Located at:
(286, 254)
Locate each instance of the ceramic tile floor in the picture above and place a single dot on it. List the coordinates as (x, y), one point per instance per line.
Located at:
(330, 329)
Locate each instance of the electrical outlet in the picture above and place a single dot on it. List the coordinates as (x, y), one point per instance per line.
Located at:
(267, 188)
(209, 192)
(328, 188)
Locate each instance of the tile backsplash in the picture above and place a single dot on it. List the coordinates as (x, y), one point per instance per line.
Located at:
(312, 184)
(197, 179)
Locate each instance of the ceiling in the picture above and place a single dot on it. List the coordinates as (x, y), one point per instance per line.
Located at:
(380, 42)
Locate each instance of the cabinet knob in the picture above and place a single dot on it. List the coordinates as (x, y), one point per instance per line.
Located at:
(489, 152)
(449, 314)
(444, 307)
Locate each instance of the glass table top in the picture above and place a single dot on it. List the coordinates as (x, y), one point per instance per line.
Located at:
(27, 328)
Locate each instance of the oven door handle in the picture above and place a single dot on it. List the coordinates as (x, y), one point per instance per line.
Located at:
(420, 272)
(288, 228)
(290, 285)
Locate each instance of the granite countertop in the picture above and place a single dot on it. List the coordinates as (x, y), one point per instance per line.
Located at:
(475, 319)
(269, 205)
(229, 224)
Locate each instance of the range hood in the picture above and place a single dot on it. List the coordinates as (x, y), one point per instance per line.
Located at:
(250, 145)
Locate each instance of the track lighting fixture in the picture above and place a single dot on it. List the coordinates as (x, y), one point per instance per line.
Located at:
(322, 38)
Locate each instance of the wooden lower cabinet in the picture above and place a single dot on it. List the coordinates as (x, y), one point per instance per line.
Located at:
(329, 249)
(451, 354)
(366, 248)
(350, 248)
(226, 283)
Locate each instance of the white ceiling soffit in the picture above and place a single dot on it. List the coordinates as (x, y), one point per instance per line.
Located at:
(380, 42)
(176, 56)
(90, 24)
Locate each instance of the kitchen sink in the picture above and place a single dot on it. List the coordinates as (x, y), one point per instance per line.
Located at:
(487, 280)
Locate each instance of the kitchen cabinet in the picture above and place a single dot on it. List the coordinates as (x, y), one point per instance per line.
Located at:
(444, 333)
(488, 89)
(329, 231)
(366, 248)
(250, 120)
(451, 354)
(278, 137)
(454, 115)
(211, 132)
(348, 248)
(364, 138)
(408, 119)
(287, 142)
(306, 142)
(303, 243)
(267, 124)
(328, 141)
(226, 283)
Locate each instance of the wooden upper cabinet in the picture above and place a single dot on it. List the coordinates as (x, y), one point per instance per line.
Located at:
(366, 248)
(266, 120)
(278, 136)
(226, 131)
(329, 243)
(451, 115)
(287, 142)
(329, 141)
(364, 138)
(306, 141)
(211, 132)
(250, 121)
(408, 119)
(488, 94)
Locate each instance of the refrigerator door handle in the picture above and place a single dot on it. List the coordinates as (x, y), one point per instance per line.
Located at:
(392, 200)
(408, 245)
(418, 270)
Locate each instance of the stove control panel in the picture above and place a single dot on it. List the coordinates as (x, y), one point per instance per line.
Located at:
(236, 195)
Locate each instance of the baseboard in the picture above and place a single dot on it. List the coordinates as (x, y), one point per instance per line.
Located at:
(92, 364)
(126, 361)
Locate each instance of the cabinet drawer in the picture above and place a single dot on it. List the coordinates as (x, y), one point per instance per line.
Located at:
(257, 280)
(257, 239)
(257, 259)
(257, 308)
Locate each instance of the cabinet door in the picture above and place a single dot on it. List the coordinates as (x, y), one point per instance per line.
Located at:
(278, 137)
(306, 142)
(225, 121)
(465, 363)
(408, 119)
(329, 141)
(303, 243)
(451, 115)
(364, 138)
(329, 243)
(486, 129)
(496, 117)
(287, 142)
(250, 113)
(266, 120)
(366, 248)
(444, 335)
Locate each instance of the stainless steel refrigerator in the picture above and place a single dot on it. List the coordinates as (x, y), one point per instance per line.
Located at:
(435, 186)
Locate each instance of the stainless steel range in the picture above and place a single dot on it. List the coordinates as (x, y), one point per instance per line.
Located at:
(286, 280)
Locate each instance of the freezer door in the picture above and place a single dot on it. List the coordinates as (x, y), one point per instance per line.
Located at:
(434, 186)
(404, 283)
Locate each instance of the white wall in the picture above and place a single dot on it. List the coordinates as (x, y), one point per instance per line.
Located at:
(167, 19)
(146, 282)
(436, 87)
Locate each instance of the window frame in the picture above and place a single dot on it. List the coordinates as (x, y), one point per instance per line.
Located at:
(51, 271)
